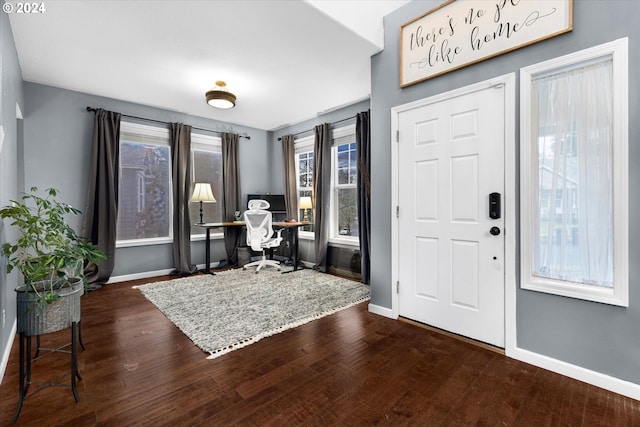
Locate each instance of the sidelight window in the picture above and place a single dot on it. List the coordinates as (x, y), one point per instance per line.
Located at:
(574, 175)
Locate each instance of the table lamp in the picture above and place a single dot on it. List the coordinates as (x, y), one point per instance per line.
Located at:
(305, 203)
(202, 193)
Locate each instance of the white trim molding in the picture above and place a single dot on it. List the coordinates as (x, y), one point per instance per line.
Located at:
(5, 357)
(136, 276)
(588, 376)
(382, 311)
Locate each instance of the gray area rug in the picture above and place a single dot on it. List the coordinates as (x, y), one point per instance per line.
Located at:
(236, 308)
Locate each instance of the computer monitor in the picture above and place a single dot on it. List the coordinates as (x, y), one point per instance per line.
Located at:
(276, 201)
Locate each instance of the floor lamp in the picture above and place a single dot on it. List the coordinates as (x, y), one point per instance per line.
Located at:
(202, 193)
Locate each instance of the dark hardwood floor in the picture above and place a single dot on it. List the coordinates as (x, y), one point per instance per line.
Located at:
(352, 368)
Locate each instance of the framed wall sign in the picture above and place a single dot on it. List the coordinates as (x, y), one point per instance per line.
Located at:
(462, 32)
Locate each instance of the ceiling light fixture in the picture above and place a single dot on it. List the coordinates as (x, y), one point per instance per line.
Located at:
(220, 97)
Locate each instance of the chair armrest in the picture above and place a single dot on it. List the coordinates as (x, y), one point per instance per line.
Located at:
(275, 240)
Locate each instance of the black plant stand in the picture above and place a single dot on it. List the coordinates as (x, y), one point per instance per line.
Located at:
(35, 356)
(26, 359)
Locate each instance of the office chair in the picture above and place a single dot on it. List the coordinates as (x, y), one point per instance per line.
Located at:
(258, 221)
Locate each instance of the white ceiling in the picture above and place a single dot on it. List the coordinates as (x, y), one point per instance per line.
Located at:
(285, 60)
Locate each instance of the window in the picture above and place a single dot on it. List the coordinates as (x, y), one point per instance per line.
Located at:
(206, 155)
(144, 189)
(343, 198)
(575, 174)
(344, 201)
(304, 172)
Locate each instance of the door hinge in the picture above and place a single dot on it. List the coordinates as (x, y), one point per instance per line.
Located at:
(397, 286)
(397, 136)
(397, 211)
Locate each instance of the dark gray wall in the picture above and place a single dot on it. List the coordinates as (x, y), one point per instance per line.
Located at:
(57, 149)
(596, 336)
(10, 95)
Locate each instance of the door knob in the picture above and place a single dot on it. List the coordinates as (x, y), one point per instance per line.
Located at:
(494, 231)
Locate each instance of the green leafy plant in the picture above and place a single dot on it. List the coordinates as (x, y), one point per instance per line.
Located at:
(47, 251)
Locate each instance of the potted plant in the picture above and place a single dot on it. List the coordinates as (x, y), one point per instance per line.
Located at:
(50, 256)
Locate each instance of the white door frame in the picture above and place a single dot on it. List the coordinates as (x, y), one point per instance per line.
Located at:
(509, 83)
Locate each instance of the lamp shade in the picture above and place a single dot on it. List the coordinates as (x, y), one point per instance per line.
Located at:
(220, 97)
(202, 193)
(305, 202)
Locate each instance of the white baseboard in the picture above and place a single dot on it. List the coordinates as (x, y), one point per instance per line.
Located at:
(147, 274)
(588, 376)
(5, 357)
(381, 311)
(135, 276)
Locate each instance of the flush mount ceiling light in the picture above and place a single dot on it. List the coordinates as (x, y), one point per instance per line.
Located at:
(220, 97)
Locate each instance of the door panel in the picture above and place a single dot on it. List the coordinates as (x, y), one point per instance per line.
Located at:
(464, 189)
(450, 267)
(427, 271)
(427, 203)
(464, 274)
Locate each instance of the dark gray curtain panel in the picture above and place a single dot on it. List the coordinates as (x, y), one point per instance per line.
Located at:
(180, 141)
(321, 192)
(363, 154)
(289, 176)
(232, 196)
(101, 210)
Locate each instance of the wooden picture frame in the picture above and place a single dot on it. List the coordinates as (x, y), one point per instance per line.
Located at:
(459, 33)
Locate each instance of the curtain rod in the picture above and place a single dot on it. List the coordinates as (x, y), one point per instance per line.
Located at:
(165, 123)
(309, 130)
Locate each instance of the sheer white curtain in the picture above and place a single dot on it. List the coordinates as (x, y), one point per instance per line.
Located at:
(573, 210)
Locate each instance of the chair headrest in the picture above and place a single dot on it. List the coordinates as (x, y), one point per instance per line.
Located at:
(258, 204)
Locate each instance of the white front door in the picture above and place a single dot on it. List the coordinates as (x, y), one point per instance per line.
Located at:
(451, 248)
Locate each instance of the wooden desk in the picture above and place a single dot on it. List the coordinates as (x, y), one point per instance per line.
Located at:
(207, 249)
(282, 224)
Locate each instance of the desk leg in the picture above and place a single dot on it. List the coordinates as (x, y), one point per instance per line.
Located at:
(294, 249)
(207, 254)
